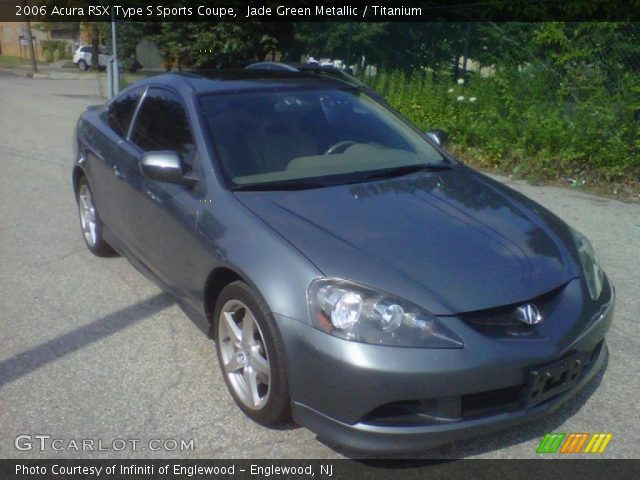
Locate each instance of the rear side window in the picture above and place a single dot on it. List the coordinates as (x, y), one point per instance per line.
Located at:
(120, 111)
(86, 49)
(162, 124)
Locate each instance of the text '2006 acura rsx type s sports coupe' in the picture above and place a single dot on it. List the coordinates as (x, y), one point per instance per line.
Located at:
(356, 277)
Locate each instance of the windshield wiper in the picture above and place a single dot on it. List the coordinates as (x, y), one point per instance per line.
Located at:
(406, 170)
(279, 185)
(307, 184)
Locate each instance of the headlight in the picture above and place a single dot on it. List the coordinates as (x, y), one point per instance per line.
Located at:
(353, 312)
(590, 265)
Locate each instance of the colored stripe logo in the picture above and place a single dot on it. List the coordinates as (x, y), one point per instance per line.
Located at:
(574, 443)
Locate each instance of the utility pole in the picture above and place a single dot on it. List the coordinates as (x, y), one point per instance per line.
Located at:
(348, 62)
(115, 71)
(32, 51)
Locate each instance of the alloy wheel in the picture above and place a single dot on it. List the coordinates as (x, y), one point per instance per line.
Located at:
(87, 215)
(244, 355)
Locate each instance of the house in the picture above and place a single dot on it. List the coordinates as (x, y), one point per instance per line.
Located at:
(13, 37)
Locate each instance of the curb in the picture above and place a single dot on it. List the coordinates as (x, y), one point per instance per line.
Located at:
(52, 74)
(36, 75)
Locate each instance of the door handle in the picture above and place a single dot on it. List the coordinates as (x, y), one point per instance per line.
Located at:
(117, 172)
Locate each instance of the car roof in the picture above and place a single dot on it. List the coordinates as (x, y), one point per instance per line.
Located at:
(292, 66)
(309, 67)
(216, 81)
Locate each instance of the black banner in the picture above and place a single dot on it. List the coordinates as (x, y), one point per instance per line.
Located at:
(318, 10)
(317, 469)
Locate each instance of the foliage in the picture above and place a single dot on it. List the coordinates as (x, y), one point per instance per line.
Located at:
(559, 100)
(517, 122)
(70, 28)
(129, 35)
(387, 45)
(54, 50)
(10, 61)
(219, 44)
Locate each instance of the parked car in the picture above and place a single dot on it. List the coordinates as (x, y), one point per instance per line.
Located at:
(354, 273)
(82, 57)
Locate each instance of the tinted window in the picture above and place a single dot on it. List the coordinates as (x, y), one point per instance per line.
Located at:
(120, 111)
(288, 135)
(162, 125)
(87, 49)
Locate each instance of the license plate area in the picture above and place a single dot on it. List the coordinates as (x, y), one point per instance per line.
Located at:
(548, 381)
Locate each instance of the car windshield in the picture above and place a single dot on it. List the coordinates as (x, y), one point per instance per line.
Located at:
(328, 136)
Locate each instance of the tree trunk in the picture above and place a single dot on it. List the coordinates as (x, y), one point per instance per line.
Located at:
(95, 43)
(32, 52)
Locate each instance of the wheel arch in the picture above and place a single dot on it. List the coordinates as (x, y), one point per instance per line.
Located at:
(217, 279)
(76, 175)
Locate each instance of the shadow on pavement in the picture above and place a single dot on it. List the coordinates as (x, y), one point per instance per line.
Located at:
(40, 355)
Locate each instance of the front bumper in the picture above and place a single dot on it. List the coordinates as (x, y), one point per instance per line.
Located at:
(368, 397)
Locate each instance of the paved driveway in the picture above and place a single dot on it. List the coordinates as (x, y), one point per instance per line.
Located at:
(90, 349)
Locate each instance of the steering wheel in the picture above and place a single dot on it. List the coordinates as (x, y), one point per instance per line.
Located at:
(339, 147)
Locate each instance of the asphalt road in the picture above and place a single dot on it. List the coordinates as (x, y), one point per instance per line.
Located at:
(90, 349)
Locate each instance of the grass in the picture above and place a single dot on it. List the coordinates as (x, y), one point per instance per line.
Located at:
(521, 124)
(9, 61)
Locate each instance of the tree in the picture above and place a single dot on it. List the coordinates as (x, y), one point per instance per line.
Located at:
(94, 29)
(71, 28)
(128, 35)
(388, 45)
(219, 44)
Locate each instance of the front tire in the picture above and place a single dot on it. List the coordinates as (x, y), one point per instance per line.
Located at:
(90, 222)
(82, 66)
(251, 355)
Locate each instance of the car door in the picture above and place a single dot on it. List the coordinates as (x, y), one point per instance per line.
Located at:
(163, 216)
(87, 55)
(103, 58)
(110, 160)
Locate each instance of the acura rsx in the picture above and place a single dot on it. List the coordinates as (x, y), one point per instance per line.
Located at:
(356, 276)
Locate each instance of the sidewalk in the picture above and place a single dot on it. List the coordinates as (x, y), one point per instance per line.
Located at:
(63, 69)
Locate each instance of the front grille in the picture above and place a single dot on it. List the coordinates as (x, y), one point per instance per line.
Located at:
(507, 315)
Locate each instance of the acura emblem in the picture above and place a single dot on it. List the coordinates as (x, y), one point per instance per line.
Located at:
(529, 314)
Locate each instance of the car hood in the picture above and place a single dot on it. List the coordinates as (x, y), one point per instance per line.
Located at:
(453, 241)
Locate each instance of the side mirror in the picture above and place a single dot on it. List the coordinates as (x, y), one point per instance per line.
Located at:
(165, 166)
(440, 137)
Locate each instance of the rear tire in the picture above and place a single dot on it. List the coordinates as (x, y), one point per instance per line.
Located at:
(251, 355)
(90, 222)
(82, 66)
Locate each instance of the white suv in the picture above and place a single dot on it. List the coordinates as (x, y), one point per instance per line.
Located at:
(82, 57)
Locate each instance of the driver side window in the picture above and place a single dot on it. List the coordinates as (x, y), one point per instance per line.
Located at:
(162, 124)
(120, 112)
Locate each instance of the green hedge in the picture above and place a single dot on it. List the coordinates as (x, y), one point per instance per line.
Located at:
(527, 120)
(54, 50)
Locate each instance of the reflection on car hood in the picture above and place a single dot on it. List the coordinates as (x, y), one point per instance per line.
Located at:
(455, 241)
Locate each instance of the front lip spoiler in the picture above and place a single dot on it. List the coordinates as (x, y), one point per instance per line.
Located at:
(378, 439)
